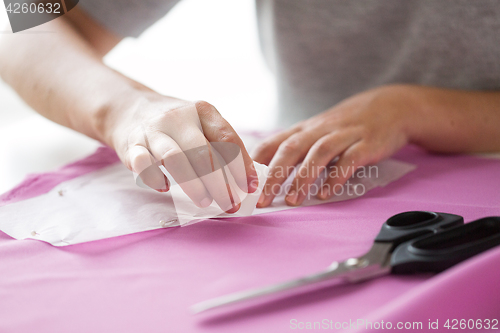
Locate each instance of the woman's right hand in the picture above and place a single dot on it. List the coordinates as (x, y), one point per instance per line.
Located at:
(143, 126)
(151, 130)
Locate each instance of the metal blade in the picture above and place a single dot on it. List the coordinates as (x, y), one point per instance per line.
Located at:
(372, 264)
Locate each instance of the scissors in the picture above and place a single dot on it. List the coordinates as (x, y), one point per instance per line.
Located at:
(409, 242)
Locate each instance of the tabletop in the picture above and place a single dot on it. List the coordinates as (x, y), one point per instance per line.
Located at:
(147, 281)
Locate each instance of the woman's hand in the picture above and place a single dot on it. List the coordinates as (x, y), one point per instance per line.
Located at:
(153, 129)
(361, 130)
(144, 127)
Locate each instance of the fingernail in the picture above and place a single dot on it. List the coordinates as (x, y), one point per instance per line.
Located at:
(234, 209)
(291, 198)
(165, 188)
(167, 183)
(205, 202)
(261, 200)
(253, 184)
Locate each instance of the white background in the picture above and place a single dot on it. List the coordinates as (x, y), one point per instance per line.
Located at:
(214, 55)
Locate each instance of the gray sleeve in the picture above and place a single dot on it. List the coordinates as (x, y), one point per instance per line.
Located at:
(127, 18)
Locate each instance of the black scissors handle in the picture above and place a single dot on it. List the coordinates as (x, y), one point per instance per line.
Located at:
(442, 250)
(410, 225)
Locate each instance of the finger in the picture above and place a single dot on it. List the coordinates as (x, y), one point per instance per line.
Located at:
(267, 149)
(143, 164)
(289, 153)
(184, 128)
(192, 140)
(229, 200)
(211, 169)
(208, 167)
(232, 158)
(319, 156)
(354, 157)
(175, 161)
(217, 129)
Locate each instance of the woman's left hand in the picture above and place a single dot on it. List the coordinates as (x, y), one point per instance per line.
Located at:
(361, 130)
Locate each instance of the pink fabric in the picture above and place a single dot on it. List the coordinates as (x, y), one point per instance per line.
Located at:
(145, 282)
(36, 184)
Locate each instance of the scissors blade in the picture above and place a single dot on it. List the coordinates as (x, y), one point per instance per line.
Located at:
(372, 264)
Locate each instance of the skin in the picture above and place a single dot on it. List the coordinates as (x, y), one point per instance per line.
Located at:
(373, 125)
(89, 97)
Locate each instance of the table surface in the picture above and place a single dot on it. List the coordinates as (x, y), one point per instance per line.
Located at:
(147, 281)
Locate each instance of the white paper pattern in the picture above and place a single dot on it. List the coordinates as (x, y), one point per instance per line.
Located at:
(107, 203)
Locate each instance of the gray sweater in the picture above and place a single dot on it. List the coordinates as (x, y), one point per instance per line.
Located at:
(323, 51)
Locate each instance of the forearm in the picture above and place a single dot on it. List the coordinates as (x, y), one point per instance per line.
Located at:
(61, 75)
(450, 121)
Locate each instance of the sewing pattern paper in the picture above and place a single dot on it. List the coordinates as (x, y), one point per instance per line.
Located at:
(108, 203)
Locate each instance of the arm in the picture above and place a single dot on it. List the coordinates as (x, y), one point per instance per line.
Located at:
(57, 69)
(373, 125)
(62, 76)
(454, 121)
